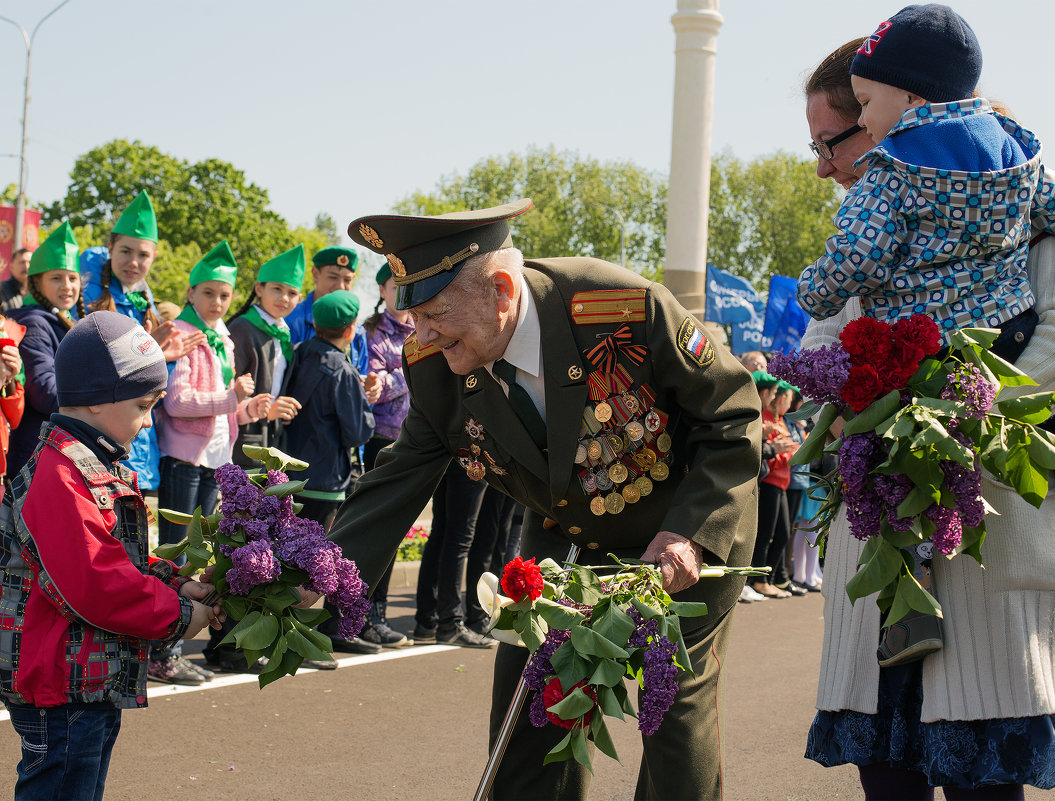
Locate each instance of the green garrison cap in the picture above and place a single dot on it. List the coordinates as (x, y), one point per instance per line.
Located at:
(426, 253)
(764, 380)
(139, 220)
(216, 265)
(784, 386)
(57, 252)
(335, 309)
(286, 268)
(384, 272)
(345, 258)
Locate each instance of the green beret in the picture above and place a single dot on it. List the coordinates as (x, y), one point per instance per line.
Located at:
(139, 220)
(345, 258)
(335, 310)
(57, 252)
(216, 265)
(286, 268)
(426, 253)
(784, 386)
(764, 380)
(383, 274)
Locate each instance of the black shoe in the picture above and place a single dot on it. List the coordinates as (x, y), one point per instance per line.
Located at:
(354, 646)
(319, 664)
(423, 635)
(459, 635)
(232, 663)
(910, 639)
(793, 588)
(807, 587)
(174, 670)
(379, 632)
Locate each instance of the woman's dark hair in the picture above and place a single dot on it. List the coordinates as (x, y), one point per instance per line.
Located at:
(832, 77)
(105, 301)
(370, 324)
(47, 305)
(249, 301)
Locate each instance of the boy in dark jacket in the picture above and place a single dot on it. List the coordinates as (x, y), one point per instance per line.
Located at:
(334, 419)
(81, 597)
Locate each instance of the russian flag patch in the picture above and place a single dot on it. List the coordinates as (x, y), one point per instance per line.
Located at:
(694, 344)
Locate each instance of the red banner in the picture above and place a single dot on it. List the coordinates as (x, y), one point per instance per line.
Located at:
(30, 235)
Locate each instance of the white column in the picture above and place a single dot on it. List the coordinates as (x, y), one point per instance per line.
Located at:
(696, 25)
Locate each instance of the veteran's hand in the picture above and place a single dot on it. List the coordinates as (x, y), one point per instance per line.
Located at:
(372, 388)
(679, 560)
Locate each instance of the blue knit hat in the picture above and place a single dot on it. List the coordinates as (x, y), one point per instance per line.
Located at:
(107, 358)
(928, 50)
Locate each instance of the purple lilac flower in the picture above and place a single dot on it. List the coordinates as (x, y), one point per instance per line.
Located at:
(303, 544)
(537, 672)
(859, 454)
(967, 384)
(350, 599)
(252, 564)
(819, 373)
(948, 532)
(893, 488)
(660, 674)
(276, 477)
(966, 485)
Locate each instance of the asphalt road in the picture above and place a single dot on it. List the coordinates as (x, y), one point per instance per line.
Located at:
(410, 725)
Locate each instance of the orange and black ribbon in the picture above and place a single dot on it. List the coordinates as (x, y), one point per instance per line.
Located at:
(607, 352)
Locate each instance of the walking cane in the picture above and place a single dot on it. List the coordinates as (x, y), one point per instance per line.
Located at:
(495, 759)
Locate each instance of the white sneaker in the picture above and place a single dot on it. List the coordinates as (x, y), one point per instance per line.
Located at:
(747, 595)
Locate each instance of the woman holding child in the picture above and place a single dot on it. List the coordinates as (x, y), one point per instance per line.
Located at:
(975, 717)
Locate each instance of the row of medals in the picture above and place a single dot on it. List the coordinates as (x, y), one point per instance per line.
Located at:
(607, 441)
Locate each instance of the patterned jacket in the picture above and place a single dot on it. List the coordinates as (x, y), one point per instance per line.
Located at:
(386, 359)
(940, 223)
(81, 598)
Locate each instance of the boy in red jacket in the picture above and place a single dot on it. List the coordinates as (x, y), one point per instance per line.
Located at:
(81, 597)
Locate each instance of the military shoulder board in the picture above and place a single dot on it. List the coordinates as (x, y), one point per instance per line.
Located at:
(415, 352)
(608, 306)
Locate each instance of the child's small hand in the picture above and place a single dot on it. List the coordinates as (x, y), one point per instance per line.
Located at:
(283, 408)
(259, 406)
(372, 387)
(201, 617)
(10, 362)
(243, 387)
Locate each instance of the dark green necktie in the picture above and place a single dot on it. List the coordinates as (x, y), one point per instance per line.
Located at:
(521, 402)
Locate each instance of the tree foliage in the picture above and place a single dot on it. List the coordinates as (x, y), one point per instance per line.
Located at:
(579, 203)
(768, 216)
(197, 204)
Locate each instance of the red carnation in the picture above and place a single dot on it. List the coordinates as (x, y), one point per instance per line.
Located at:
(920, 331)
(522, 578)
(904, 361)
(866, 340)
(553, 693)
(862, 387)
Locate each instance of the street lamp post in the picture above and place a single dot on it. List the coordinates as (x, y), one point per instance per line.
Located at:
(20, 202)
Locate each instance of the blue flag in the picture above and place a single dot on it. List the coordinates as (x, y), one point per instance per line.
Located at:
(781, 292)
(730, 298)
(791, 328)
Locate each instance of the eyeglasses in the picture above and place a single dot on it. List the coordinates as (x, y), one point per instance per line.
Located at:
(823, 150)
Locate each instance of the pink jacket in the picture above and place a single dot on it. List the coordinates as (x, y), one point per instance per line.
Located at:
(193, 401)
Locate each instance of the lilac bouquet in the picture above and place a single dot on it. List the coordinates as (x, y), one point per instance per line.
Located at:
(587, 634)
(262, 553)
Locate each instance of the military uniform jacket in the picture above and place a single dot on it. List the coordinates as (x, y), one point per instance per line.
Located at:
(254, 353)
(707, 400)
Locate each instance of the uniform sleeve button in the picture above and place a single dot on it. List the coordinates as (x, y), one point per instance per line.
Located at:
(593, 546)
(573, 530)
(562, 502)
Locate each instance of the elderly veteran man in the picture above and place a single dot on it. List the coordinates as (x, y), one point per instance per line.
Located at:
(591, 396)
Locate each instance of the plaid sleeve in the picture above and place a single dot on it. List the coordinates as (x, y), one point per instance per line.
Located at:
(858, 259)
(1042, 211)
(180, 625)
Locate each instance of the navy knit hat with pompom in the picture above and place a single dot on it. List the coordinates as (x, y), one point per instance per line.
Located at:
(928, 50)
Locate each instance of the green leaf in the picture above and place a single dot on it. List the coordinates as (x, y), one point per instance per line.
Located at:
(688, 608)
(602, 738)
(579, 749)
(876, 412)
(194, 530)
(608, 673)
(273, 458)
(880, 564)
(285, 488)
(1041, 450)
(608, 700)
(172, 551)
(915, 502)
(557, 615)
(259, 635)
(589, 642)
(311, 617)
(235, 606)
(615, 625)
(647, 611)
(1034, 408)
(1005, 373)
(561, 752)
(1024, 477)
(179, 518)
(246, 623)
(279, 597)
(815, 442)
(963, 338)
(533, 636)
(303, 646)
(805, 411)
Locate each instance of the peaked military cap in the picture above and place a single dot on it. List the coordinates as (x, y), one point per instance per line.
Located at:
(426, 253)
(345, 258)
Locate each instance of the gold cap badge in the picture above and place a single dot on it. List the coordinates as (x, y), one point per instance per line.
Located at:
(342, 261)
(370, 235)
(398, 270)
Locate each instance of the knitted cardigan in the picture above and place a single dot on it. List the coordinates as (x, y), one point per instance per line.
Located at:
(998, 659)
(194, 399)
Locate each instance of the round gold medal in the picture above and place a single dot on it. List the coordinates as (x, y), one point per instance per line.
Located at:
(603, 412)
(614, 503)
(597, 505)
(593, 449)
(644, 484)
(635, 430)
(580, 454)
(618, 472)
(631, 494)
(616, 443)
(476, 470)
(659, 471)
(631, 403)
(663, 442)
(645, 457)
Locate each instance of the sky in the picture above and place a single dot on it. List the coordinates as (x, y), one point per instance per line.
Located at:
(346, 107)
